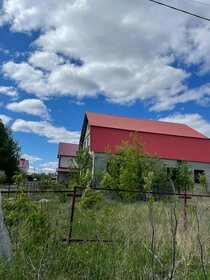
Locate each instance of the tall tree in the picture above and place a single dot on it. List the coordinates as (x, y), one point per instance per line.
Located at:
(9, 152)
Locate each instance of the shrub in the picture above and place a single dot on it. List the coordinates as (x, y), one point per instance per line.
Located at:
(129, 168)
(90, 198)
(28, 219)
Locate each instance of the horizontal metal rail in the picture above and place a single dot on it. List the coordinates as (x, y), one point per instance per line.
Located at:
(41, 191)
(144, 192)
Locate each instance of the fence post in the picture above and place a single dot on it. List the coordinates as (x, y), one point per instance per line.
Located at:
(185, 197)
(185, 210)
(8, 189)
(72, 214)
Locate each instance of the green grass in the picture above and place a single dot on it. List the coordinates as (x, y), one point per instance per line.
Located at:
(129, 257)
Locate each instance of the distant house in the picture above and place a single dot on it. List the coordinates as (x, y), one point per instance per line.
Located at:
(170, 141)
(66, 152)
(23, 164)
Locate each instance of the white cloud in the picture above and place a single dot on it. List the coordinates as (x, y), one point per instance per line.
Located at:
(30, 106)
(5, 119)
(5, 51)
(10, 91)
(29, 79)
(48, 170)
(125, 55)
(31, 169)
(195, 121)
(199, 95)
(45, 60)
(50, 164)
(44, 128)
(31, 159)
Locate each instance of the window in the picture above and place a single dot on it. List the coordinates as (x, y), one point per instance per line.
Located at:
(197, 174)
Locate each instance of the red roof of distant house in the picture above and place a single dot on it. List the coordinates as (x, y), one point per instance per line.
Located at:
(67, 149)
(141, 125)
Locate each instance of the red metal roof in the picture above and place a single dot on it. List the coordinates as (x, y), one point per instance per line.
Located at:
(141, 125)
(67, 149)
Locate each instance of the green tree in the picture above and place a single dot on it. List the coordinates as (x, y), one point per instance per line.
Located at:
(181, 176)
(203, 182)
(81, 169)
(2, 177)
(81, 175)
(129, 168)
(9, 152)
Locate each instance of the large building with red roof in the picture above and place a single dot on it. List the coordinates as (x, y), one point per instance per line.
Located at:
(66, 152)
(170, 141)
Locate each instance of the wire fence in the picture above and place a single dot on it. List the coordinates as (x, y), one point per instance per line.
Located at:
(170, 224)
(187, 206)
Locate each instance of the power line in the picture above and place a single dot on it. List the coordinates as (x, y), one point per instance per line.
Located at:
(180, 10)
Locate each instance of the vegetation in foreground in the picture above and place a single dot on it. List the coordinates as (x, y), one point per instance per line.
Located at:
(148, 239)
(40, 253)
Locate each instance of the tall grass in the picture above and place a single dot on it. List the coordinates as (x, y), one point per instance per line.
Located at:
(129, 256)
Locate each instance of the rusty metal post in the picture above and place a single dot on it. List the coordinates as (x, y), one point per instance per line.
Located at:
(185, 197)
(185, 210)
(72, 214)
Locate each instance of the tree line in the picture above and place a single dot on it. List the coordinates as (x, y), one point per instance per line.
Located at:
(9, 154)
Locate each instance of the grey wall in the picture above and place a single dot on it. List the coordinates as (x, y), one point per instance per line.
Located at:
(193, 166)
(62, 177)
(99, 158)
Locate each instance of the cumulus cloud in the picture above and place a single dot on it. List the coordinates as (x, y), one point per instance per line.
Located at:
(52, 164)
(10, 91)
(49, 166)
(119, 53)
(31, 159)
(5, 119)
(28, 78)
(44, 128)
(195, 121)
(30, 106)
(45, 60)
(199, 95)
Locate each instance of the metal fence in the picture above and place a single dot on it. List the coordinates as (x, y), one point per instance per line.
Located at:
(164, 200)
(155, 221)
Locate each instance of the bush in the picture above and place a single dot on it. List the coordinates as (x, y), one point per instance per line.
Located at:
(129, 168)
(90, 198)
(33, 221)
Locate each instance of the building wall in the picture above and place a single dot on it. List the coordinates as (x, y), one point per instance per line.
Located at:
(86, 142)
(62, 177)
(165, 146)
(192, 166)
(65, 161)
(100, 158)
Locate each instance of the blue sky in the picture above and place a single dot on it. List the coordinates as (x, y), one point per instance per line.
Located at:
(59, 59)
